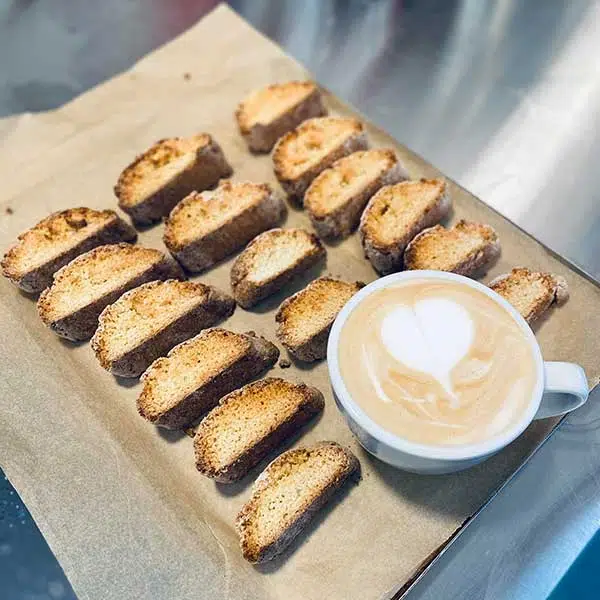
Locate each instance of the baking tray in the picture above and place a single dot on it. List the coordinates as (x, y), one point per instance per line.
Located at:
(118, 500)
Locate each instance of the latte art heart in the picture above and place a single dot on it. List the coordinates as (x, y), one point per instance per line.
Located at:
(436, 362)
(432, 337)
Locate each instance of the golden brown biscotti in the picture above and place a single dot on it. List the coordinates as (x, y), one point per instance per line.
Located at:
(146, 322)
(57, 240)
(466, 249)
(249, 423)
(206, 228)
(300, 155)
(83, 288)
(337, 197)
(532, 293)
(266, 114)
(172, 168)
(304, 320)
(270, 261)
(179, 388)
(396, 214)
(288, 494)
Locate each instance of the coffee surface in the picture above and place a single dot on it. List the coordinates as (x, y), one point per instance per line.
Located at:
(437, 363)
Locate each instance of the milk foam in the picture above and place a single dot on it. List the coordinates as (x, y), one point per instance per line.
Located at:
(437, 362)
(431, 336)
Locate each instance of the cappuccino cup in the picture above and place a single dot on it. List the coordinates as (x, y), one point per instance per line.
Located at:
(435, 372)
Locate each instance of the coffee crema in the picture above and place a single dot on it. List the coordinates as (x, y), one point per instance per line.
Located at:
(437, 362)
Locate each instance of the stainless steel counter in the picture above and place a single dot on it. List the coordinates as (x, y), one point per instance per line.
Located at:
(501, 95)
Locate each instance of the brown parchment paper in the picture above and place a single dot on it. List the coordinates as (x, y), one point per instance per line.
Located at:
(118, 500)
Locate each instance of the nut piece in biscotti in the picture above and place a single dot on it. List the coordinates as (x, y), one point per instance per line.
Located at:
(270, 261)
(532, 293)
(300, 155)
(288, 494)
(396, 214)
(83, 288)
(179, 388)
(305, 319)
(266, 114)
(146, 322)
(467, 249)
(206, 228)
(157, 180)
(336, 199)
(249, 423)
(57, 240)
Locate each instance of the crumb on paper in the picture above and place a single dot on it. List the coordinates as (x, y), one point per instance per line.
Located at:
(284, 363)
(8, 210)
(187, 76)
(190, 431)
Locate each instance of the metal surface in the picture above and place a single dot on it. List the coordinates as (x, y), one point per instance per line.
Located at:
(502, 95)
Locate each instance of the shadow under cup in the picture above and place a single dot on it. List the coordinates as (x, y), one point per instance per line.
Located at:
(559, 388)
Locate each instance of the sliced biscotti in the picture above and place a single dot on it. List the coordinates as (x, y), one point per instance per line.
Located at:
(148, 321)
(288, 494)
(466, 249)
(249, 423)
(205, 228)
(57, 240)
(396, 214)
(300, 155)
(168, 171)
(83, 288)
(336, 198)
(304, 320)
(270, 261)
(266, 114)
(531, 292)
(190, 380)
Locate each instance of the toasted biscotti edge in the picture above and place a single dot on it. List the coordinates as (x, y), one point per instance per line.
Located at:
(218, 306)
(261, 137)
(36, 280)
(255, 553)
(81, 325)
(204, 173)
(472, 264)
(248, 293)
(295, 188)
(312, 404)
(264, 354)
(342, 222)
(387, 258)
(315, 348)
(205, 252)
(557, 290)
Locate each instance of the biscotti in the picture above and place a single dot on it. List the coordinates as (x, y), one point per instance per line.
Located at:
(337, 197)
(179, 388)
(300, 155)
(270, 261)
(466, 249)
(158, 179)
(304, 320)
(249, 423)
(532, 293)
(83, 288)
(396, 214)
(206, 228)
(57, 240)
(288, 494)
(146, 322)
(266, 114)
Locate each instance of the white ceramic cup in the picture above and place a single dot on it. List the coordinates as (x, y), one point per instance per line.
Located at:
(560, 388)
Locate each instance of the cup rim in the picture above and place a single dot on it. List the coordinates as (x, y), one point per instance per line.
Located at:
(396, 442)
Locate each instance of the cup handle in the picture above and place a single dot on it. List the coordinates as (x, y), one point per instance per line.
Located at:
(565, 389)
